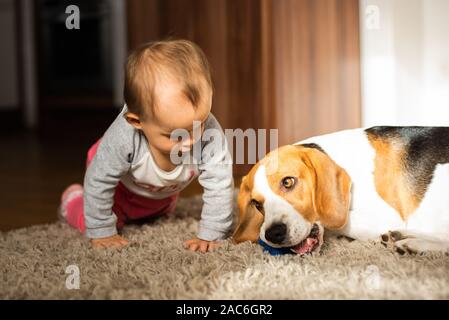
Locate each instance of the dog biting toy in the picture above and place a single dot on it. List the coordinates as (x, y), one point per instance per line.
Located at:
(306, 246)
(274, 251)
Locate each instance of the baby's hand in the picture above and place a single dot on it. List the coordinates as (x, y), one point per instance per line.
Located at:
(201, 245)
(109, 242)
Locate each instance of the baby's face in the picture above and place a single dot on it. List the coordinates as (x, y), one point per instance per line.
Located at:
(174, 111)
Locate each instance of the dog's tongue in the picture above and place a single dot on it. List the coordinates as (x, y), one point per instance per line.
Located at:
(305, 246)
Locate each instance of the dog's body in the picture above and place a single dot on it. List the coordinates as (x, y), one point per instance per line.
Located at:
(383, 182)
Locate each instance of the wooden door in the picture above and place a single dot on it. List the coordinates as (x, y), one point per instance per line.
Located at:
(316, 56)
(286, 64)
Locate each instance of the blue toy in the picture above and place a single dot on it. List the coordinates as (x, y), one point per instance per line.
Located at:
(274, 251)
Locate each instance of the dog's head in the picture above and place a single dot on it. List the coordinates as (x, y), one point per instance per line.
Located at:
(289, 196)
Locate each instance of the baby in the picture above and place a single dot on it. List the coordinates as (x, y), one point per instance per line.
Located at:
(130, 172)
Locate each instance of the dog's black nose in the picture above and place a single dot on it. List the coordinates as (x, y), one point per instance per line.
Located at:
(276, 233)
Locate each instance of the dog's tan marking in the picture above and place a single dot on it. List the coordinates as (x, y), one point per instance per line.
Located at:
(390, 176)
(250, 219)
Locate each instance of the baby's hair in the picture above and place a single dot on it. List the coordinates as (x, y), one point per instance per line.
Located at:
(179, 58)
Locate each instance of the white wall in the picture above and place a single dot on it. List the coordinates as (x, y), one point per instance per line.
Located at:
(436, 62)
(405, 62)
(8, 56)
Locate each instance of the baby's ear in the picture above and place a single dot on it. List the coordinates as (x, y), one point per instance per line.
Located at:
(133, 119)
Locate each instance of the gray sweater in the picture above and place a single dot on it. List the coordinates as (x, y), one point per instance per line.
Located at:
(123, 155)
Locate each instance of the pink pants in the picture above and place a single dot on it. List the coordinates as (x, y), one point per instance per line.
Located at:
(128, 207)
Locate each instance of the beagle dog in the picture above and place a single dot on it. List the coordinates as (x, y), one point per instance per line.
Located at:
(384, 183)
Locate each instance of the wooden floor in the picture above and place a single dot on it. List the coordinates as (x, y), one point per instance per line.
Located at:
(35, 167)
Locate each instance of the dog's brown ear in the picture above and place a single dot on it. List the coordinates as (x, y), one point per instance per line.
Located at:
(331, 193)
(250, 219)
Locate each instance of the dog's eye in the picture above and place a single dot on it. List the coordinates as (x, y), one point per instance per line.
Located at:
(288, 182)
(257, 204)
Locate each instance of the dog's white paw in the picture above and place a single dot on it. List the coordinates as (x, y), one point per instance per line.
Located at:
(407, 242)
(418, 246)
(391, 237)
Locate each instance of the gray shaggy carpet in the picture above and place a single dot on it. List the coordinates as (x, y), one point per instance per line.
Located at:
(36, 263)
